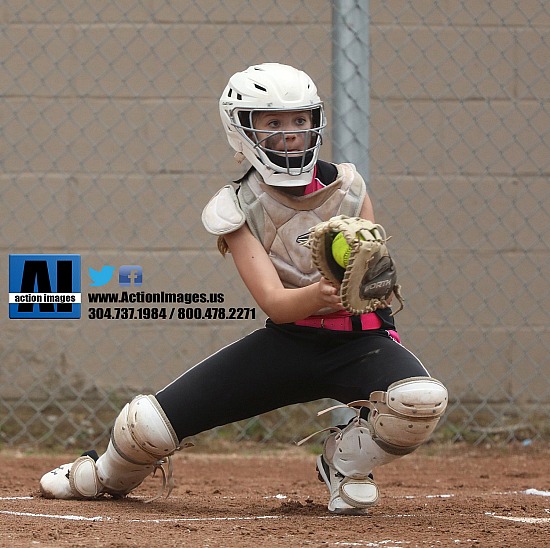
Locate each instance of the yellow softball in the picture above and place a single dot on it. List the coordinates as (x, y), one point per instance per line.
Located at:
(341, 249)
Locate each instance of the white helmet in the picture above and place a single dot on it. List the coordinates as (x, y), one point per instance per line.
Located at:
(273, 87)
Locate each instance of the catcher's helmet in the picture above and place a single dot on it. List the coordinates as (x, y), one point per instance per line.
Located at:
(273, 87)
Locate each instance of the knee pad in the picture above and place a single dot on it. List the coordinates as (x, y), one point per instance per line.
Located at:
(404, 417)
(142, 433)
(400, 419)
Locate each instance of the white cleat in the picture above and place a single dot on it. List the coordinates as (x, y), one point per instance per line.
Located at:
(348, 496)
(56, 485)
(77, 480)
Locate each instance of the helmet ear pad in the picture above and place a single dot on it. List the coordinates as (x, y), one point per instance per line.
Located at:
(245, 118)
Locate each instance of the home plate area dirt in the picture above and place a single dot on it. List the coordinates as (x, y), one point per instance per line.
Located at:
(453, 495)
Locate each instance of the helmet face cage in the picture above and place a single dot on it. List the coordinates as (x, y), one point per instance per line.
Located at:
(291, 162)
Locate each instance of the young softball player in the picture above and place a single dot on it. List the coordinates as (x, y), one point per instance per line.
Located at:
(310, 347)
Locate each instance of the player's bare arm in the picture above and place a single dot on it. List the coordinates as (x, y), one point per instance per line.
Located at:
(282, 305)
(367, 211)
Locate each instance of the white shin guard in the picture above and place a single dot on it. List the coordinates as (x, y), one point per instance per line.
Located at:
(400, 420)
(119, 476)
(353, 451)
(142, 440)
(355, 488)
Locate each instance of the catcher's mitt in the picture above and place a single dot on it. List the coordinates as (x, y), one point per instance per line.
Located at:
(369, 278)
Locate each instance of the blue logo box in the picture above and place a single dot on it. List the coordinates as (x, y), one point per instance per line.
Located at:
(45, 286)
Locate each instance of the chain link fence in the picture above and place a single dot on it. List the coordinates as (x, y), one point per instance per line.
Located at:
(111, 145)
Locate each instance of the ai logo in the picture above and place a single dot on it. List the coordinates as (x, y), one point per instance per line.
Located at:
(44, 287)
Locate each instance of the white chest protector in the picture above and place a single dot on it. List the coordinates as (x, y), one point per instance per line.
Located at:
(281, 221)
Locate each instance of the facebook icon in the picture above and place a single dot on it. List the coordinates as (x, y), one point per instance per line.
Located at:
(130, 274)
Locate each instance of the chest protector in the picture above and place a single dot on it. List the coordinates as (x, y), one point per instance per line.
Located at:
(281, 221)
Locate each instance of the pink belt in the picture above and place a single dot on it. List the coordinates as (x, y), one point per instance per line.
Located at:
(341, 323)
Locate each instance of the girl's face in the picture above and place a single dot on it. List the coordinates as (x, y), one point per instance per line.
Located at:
(293, 123)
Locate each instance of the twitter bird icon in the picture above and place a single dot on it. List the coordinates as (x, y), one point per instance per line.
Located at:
(101, 277)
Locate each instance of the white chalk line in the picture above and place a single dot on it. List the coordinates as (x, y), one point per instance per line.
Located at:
(537, 492)
(71, 517)
(534, 492)
(54, 516)
(266, 517)
(154, 520)
(519, 519)
(172, 520)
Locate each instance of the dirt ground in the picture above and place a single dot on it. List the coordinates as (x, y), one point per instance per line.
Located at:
(439, 496)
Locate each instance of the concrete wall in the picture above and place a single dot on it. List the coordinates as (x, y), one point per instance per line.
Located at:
(111, 146)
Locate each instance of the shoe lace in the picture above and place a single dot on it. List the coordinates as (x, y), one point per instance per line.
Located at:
(167, 470)
(355, 406)
(167, 478)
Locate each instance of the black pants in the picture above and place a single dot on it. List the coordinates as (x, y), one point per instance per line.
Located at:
(280, 365)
